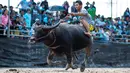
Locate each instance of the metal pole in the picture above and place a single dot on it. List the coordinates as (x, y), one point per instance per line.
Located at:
(8, 31)
(32, 14)
(116, 8)
(111, 8)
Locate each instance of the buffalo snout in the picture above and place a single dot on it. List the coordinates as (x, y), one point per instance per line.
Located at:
(32, 40)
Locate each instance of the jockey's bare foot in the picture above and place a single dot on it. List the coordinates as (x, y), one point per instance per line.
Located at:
(87, 33)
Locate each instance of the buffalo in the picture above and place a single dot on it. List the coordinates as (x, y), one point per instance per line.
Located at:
(63, 39)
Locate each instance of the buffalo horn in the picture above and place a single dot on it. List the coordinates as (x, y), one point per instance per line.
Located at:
(51, 27)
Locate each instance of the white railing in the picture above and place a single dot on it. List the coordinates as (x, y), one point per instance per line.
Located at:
(114, 38)
(18, 33)
(123, 39)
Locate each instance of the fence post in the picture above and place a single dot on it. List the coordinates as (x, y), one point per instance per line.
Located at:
(8, 30)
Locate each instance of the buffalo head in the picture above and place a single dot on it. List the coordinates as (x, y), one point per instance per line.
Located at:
(42, 32)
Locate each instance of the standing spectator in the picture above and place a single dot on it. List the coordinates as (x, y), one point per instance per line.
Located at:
(87, 6)
(36, 24)
(73, 9)
(45, 3)
(66, 6)
(38, 6)
(127, 15)
(5, 7)
(92, 11)
(27, 18)
(1, 13)
(1, 8)
(34, 12)
(11, 9)
(24, 5)
(30, 3)
(5, 20)
(22, 20)
(93, 5)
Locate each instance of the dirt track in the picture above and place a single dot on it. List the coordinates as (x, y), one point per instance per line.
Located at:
(61, 70)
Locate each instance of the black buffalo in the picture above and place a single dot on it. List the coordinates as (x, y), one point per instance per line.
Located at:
(63, 39)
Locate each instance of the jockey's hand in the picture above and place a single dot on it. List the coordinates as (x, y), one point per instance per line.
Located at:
(67, 17)
(61, 20)
(72, 14)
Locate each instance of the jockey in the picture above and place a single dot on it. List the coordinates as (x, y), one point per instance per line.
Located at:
(84, 16)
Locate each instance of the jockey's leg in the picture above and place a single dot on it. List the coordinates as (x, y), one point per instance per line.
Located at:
(88, 51)
(86, 26)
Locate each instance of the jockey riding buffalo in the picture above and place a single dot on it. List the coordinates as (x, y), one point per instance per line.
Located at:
(63, 39)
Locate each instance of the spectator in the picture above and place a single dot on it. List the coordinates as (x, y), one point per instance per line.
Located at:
(34, 12)
(12, 16)
(28, 18)
(87, 6)
(45, 4)
(22, 20)
(5, 7)
(16, 25)
(38, 6)
(127, 15)
(73, 9)
(36, 24)
(1, 14)
(92, 11)
(47, 18)
(30, 3)
(93, 5)
(24, 5)
(11, 9)
(66, 6)
(1, 8)
(128, 29)
(5, 20)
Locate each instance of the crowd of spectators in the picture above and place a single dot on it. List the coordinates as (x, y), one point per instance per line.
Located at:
(31, 11)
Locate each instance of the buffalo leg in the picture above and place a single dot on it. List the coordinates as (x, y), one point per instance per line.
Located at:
(70, 62)
(50, 57)
(88, 51)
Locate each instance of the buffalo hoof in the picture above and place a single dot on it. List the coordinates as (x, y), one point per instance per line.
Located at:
(68, 66)
(82, 68)
(49, 62)
(74, 66)
(71, 66)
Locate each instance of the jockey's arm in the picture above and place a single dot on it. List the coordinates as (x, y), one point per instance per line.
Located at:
(84, 13)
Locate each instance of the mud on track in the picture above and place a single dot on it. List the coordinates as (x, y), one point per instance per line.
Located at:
(62, 70)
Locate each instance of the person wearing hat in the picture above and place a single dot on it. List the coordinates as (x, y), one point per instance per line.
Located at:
(36, 24)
